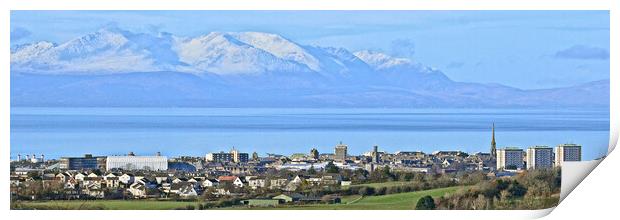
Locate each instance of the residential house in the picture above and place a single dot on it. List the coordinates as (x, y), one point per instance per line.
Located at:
(184, 189)
(127, 178)
(80, 176)
(278, 183)
(234, 180)
(255, 182)
(209, 183)
(137, 190)
(111, 180)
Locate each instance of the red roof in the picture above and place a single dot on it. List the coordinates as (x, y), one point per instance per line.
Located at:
(227, 178)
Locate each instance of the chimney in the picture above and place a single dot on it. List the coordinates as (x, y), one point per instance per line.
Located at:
(131, 153)
(19, 157)
(158, 154)
(27, 157)
(42, 158)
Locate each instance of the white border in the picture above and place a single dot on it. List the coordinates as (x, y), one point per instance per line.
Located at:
(8, 5)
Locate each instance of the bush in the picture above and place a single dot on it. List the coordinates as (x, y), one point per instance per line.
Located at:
(366, 191)
(381, 191)
(425, 203)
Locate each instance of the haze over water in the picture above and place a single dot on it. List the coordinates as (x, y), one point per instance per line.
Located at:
(58, 132)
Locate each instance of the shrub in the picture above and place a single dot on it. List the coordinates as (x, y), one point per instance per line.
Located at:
(425, 203)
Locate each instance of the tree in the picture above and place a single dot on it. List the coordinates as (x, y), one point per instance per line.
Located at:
(366, 191)
(314, 153)
(311, 171)
(517, 190)
(425, 203)
(255, 156)
(331, 168)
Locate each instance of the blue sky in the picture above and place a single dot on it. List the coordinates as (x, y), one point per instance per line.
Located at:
(525, 49)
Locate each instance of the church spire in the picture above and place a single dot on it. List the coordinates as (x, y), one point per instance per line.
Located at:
(493, 145)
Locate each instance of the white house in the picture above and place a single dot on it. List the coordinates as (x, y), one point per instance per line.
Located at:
(184, 189)
(126, 178)
(298, 179)
(255, 182)
(278, 183)
(80, 176)
(209, 183)
(137, 190)
(235, 180)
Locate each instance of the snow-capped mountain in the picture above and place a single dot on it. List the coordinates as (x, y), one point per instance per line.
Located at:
(106, 51)
(112, 50)
(222, 53)
(114, 67)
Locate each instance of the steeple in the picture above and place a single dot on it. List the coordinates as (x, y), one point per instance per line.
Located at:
(493, 146)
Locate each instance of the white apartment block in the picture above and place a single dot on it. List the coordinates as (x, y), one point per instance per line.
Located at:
(508, 158)
(567, 152)
(539, 157)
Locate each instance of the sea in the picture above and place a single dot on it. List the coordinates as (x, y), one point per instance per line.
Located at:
(58, 132)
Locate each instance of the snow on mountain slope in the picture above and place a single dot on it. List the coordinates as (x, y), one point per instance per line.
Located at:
(105, 51)
(280, 47)
(339, 61)
(25, 53)
(380, 61)
(223, 54)
(113, 50)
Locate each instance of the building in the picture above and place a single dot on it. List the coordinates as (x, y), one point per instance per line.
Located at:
(233, 156)
(493, 144)
(88, 162)
(375, 154)
(539, 157)
(132, 162)
(219, 157)
(510, 159)
(238, 157)
(567, 152)
(340, 153)
(181, 166)
(261, 202)
(231, 180)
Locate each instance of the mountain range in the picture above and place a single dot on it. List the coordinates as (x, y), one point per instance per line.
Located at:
(115, 67)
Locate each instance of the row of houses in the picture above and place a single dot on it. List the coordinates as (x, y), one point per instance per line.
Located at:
(82, 184)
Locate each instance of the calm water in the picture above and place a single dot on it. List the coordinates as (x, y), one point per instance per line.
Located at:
(59, 132)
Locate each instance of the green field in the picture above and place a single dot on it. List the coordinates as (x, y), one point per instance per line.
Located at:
(354, 202)
(109, 204)
(385, 184)
(400, 201)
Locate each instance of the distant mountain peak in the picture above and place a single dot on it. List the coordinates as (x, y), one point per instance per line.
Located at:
(380, 60)
(280, 47)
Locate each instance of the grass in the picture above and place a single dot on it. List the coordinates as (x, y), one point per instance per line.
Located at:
(384, 184)
(108, 204)
(399, 201)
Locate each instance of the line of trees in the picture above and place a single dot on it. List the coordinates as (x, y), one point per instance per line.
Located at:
(535, 189)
